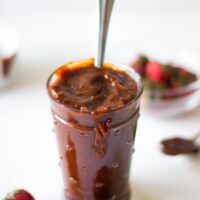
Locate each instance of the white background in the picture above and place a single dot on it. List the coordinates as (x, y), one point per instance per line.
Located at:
(50, 37)
(87, 6)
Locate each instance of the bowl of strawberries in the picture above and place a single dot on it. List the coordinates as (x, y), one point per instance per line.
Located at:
(169, 89)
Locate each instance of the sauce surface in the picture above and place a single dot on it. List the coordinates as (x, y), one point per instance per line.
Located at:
(89, 89)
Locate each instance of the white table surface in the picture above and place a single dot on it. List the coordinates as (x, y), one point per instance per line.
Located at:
(28, 151)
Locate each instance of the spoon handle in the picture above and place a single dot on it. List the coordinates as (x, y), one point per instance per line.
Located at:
(105, 10)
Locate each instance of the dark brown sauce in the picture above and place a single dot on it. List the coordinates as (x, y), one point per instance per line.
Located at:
(7, 65)
(179, 146)
(103, 179)
(102, 134)
(71, 158)
(90, 89)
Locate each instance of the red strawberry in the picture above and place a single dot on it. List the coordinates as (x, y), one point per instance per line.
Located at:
(154, 72)
(19, 195)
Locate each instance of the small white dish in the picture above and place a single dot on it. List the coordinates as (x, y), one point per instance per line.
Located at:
(9, 46)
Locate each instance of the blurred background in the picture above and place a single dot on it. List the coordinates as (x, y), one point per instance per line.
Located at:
(11, 7)
(53, 32)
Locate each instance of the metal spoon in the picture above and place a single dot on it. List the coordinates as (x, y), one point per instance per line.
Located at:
(105, 10)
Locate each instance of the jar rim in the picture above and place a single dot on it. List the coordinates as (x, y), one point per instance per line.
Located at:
(118, 66)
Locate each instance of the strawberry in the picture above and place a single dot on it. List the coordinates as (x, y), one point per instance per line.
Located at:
(162, 76)
(140, 64)
(154, 72)
(182, 77)
(19, 195)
